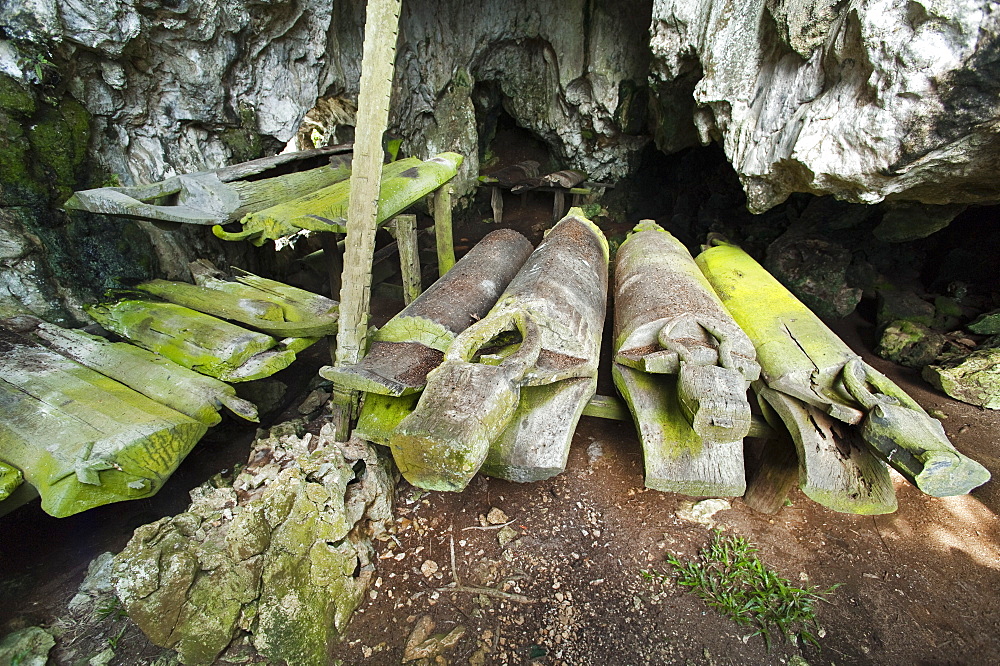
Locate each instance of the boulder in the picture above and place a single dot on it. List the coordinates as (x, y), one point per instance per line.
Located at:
(282, 557)
(909, 343)
(973, 378)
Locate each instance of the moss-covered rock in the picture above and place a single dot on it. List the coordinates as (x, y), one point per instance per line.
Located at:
(282, 557)
(973, 378)
(909, 343)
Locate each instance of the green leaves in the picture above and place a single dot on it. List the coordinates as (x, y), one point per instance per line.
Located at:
(729, 577)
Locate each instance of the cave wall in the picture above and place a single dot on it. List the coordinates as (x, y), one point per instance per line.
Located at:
(866, 100)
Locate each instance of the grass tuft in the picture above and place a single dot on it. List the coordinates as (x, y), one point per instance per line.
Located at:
(728, 576)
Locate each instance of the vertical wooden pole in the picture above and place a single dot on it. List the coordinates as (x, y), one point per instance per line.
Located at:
(558, 205)
(404, 229)
(442, 229)
(496, 201)
(377, 64)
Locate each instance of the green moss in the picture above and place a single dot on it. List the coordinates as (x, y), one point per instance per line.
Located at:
(15, 97)
(244, 140)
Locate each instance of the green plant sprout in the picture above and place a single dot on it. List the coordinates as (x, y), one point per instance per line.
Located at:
(728, 575)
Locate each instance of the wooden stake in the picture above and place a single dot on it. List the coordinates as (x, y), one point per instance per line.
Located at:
(377, 64)
(442, 229)
(404, 229)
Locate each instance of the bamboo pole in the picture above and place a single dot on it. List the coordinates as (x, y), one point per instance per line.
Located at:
(377, 64)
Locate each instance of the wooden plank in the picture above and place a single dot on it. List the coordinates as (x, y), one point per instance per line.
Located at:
(82, 439)
(154, 376)
(212, 197)
(607, 407)
(240, 302)
(404, 229)
(836, 469)
(10, 479)
(198, 341)
(556, 305)
(443, 233)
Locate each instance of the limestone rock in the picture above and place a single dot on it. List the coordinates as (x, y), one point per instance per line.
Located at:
(284, 555)
(27, 647)
(986, 324)
(899, 304)
(864, 100)
(973, 378)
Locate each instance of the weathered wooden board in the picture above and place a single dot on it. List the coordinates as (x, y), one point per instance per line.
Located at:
(215, 197)
(676, 458)
(403, 183)
(413, 342)
(198, 341)
(156, 377)
(80, 438)
(10, 479)
(300, 314)
(556, 306)
(836, 468)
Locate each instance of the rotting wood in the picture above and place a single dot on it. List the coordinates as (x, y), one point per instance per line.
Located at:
(402, 183)
(413, 342)
(80, 438)
(801, 357)
(368, 196)
(836, 468)
(404, 229)
(908, 438)
(473, 412)
(773, 476)
(668, 320)
(218, 196)
(506, 178)
(443, 234)
(198, 341)
(265, 305)
(156, 377)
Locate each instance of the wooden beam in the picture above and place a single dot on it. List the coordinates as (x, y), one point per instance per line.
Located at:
(377, 65)
(404, 229)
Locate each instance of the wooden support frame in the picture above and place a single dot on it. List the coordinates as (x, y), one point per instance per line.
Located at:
(404, 229)
(443, 229)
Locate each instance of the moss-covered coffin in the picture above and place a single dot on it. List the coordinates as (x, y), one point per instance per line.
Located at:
(682, 365)
(82, 439)
(513, 412)
(156, 377)
(264, 305)
(219, 196)
(403, 183)
(198, 341)
(801, 357)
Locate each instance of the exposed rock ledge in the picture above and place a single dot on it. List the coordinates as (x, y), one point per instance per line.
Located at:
(866, 100)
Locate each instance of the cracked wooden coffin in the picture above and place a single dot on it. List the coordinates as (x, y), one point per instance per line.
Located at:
(403, 183)
(801, 357)
(682, 365)
(80, 438)
(222, 195)
(512, 387)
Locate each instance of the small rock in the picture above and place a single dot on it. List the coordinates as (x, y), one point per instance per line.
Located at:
(27, 647)
(909, 343)
(702, 512)
(102, 658)
(506, 535)
(314, 401)
(496, 517)
(986, 324)
(429, 568)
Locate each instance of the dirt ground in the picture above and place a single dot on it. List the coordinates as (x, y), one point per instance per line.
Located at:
(551, 572)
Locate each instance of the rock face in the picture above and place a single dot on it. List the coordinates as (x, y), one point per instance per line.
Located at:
(282, 557)
(867, 100)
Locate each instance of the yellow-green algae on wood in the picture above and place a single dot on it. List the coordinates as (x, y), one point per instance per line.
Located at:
(158, 378)
(198, 341)
(403, 183)
(10, 479)
(801, 357)
(80, 438)
(279, 310)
